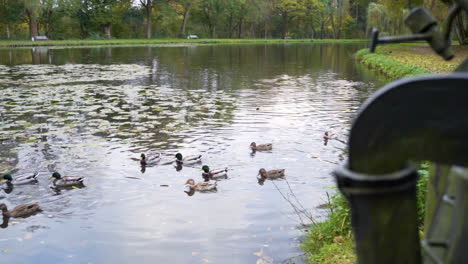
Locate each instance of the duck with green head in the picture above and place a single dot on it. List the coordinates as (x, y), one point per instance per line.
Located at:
(189, 160)
(208, 174)
(150, 159)
(66, 181)
(20, 179)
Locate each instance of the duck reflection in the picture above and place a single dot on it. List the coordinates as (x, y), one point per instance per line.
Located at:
(8, 187)
(4, 224)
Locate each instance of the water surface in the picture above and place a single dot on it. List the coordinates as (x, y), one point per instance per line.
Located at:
(92, 111)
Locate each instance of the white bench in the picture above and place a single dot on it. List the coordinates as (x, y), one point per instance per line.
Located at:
(39, 38)
(192, 37)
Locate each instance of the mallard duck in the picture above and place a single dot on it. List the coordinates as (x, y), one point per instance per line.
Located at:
(21, 179)
(260, 147)
(328, 136)
(208, 174)
(201, 186)
(271, 174)
(66, 181)
(24, 210)
(150, 160)
(189, 160)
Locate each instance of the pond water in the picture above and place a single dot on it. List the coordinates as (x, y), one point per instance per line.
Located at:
(91, 112)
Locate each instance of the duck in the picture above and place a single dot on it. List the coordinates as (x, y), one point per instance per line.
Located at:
(328, 136)
(150, 159)
(189, 160)
(21, 179)
(260, 147)
(201, 186)
(208, 174)
(271, 174)
(20, 211)
(66, 181)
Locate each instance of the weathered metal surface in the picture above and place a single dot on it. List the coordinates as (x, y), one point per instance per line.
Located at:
(415, 119)
(384, 215)
(422, 118)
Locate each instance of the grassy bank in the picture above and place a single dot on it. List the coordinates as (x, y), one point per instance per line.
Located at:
(398, 61)
(123, 42)
(387, 66)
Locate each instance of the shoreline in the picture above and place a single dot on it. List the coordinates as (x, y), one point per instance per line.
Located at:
(123, 42)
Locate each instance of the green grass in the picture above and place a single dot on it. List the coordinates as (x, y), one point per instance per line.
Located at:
(123, 42)
(331, 241)
(388, 67)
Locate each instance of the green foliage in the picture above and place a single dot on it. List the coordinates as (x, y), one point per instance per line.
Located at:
(63, 19)
(331, 240)
(421, 189)
(386, 66)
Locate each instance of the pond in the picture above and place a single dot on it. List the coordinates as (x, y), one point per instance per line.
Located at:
(91, 112)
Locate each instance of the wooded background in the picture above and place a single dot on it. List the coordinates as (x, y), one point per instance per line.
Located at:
(98, 19)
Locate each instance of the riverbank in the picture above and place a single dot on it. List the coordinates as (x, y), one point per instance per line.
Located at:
(332, 241)
(399, 61)
(124, 42)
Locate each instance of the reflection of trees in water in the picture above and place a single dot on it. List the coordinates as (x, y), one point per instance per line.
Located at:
(187, 89)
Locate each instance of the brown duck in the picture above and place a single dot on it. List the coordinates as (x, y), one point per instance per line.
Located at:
(260, 147)
(20, 211)
(271, 174)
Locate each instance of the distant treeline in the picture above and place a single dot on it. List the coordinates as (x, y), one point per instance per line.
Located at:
(97, 19)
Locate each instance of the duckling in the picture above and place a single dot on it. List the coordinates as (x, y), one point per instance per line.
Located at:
(260, 147)
(189, 160)
(21, 179)
(66, 181)
(208, 174)
(150, 160)
(271, 174)
(201, 186)
(20, 211)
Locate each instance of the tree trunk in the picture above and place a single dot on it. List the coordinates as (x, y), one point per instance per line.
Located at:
(149, 12)
(285, 25)
(33, 32)
(239, 33)
(8, 31)
(184, 21)
(107, 30)
(322, 26)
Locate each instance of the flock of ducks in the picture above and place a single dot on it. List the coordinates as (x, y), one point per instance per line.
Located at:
(151, 159)
(25, 210)
(146, 160)
(210, 176)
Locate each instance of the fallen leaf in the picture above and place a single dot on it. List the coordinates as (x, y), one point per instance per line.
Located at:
(205, 260)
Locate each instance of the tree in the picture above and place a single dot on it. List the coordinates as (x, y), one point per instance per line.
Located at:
(184, 10)
(104, 13)
(287, 10)
(148, 5)
(11, 11)
(33, 10)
